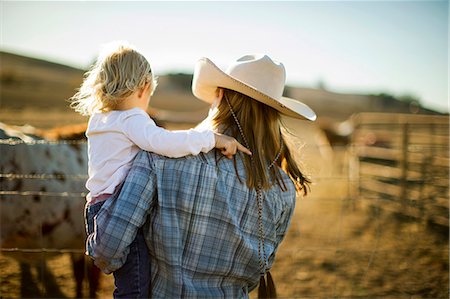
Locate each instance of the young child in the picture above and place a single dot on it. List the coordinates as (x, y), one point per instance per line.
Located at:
(115, 94)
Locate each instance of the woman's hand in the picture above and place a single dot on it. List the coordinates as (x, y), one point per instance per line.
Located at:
(229, 146)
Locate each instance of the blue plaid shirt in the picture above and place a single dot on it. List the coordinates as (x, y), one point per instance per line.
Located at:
(200, 222)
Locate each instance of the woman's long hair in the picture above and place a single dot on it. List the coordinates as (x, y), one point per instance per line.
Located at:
(261, 126)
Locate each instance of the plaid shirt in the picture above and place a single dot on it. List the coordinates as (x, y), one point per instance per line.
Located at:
(202, 228)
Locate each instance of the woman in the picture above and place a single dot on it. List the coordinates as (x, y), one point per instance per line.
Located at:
(213, 225)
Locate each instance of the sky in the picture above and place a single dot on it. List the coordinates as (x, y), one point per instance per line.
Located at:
(396, 47)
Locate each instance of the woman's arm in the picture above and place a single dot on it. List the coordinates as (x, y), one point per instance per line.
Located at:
(283, 224)
(117, 223)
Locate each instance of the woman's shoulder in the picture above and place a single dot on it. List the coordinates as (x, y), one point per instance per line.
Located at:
(286, 189)
(153, 158)
(214, 161)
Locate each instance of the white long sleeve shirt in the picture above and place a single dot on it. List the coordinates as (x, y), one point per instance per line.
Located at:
(115, 138)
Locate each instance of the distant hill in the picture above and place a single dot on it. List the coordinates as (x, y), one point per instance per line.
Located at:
(29, 83)
(339, 106)
(32, 82)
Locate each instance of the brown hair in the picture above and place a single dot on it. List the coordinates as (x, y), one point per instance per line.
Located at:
(261, 126)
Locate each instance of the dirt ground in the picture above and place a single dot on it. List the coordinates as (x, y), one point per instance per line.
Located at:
(336, 247)
(341, 248)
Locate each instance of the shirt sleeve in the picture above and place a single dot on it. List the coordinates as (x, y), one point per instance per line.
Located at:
(282, 226)
(117, 223)
(143, 132)
(285, 220)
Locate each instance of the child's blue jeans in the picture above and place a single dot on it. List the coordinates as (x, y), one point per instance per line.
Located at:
(132, 280)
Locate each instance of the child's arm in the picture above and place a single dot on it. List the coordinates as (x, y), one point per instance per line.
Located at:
(142, 131)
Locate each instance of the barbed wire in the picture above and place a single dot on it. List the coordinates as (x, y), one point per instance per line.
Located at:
(12, 141)
(42, 193)
(46, 176)
(360, 198)
(41, 250)
(295, 251)
(317, 181)
(43, 176)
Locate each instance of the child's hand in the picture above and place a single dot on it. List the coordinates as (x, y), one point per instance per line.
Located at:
(229, 146)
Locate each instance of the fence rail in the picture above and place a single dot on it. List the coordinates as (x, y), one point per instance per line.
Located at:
(403, 160)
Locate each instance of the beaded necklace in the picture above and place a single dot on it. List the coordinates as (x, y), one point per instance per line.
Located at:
(259, 197)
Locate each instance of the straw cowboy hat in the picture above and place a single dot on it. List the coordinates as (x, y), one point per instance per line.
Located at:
(256, 76)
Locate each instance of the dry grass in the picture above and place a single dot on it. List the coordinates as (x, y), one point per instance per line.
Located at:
(337, 247)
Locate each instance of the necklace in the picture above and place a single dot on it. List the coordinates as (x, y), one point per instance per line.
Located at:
(259, 198)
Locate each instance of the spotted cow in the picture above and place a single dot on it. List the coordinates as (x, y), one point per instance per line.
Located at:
(42, 203)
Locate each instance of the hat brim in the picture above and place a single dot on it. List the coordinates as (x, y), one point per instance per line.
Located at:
(208, 77)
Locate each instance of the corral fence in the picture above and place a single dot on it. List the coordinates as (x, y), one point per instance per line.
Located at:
(402, 160)
(396, 161)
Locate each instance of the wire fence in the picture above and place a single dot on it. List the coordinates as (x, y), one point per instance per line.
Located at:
(15, 141)
(341, 242)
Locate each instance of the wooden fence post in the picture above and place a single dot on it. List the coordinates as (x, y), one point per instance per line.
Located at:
(404, 164)
(402, 159)
(353, 171)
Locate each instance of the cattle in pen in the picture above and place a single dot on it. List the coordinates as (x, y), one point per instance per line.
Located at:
(42, 202)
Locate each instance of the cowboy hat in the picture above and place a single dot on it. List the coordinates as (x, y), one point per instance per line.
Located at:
(256, 76)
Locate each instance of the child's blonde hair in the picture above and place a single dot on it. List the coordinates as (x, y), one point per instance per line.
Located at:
(119, 71)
